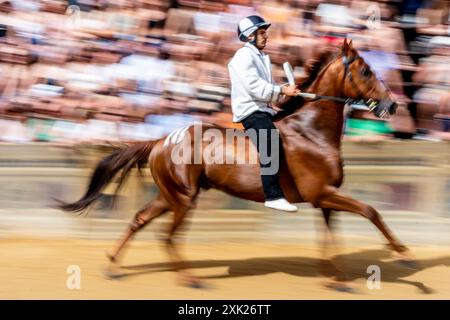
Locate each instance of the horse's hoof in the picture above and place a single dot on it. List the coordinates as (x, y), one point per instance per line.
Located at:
(110, 257)
(340, 287)
(192, 283)
(427, 290)
(409, 264)
(112, 275)
(196, 285)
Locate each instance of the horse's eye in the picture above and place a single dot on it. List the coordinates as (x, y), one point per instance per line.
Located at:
(366, 72)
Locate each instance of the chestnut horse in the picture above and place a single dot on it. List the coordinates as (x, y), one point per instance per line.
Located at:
(311, 168)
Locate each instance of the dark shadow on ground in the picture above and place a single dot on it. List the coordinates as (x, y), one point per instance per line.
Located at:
(354, 264)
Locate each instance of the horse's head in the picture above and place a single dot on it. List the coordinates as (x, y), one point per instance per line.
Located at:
(360, 83)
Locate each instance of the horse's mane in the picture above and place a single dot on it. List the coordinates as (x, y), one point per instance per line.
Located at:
(312, 69)
(315, 65)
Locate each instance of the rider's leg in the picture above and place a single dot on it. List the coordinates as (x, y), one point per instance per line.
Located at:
(269, 171)
(262, 121)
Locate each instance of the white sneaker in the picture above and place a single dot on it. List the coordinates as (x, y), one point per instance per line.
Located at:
(280, 204)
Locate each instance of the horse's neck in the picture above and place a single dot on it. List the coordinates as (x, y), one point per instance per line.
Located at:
(329, 82)
(324, 118)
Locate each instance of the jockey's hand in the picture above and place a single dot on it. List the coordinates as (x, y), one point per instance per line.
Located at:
(290, 90)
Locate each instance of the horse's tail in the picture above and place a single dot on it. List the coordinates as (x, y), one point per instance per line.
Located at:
(123, 159)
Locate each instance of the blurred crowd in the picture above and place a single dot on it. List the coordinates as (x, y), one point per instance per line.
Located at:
(101, 70)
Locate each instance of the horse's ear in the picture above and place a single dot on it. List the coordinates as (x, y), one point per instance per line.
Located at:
(350, 44)
(345, 46)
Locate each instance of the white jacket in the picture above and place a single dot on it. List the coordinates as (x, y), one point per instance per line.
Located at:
(252, 87)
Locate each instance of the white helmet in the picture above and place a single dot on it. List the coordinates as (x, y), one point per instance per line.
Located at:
(249, 25)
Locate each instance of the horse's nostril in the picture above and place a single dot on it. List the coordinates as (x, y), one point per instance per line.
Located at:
(393, 108)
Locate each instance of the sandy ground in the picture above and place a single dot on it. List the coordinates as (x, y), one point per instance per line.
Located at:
(37, 269)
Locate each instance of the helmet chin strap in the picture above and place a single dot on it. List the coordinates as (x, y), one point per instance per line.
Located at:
(253, 42)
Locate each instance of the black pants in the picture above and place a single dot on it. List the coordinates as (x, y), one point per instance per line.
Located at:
(263, 120)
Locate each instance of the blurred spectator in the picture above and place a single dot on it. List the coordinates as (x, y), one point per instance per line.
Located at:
(98, 70)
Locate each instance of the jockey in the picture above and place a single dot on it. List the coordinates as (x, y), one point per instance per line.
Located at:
(252, 92)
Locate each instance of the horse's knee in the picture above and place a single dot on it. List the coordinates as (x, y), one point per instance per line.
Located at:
(316, 198)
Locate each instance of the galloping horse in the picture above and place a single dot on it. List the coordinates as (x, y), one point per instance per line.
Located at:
(311, 168)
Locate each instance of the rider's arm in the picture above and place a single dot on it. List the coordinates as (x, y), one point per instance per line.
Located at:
(245, 71)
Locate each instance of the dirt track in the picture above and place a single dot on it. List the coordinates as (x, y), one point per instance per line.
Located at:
(36, 269)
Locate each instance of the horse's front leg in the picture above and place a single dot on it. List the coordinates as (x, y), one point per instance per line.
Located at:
(336, 201)
(184, 276)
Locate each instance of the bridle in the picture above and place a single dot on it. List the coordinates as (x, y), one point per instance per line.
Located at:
(347, 61)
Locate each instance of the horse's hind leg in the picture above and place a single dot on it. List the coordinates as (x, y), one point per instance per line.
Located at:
(180, 266)
(154, 209)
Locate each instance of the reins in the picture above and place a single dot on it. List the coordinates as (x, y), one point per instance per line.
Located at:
(371, 104)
